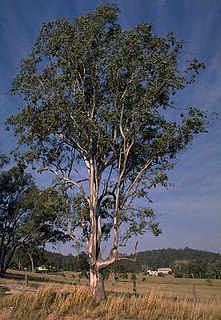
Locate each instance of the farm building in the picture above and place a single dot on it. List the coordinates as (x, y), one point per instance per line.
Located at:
(164, 271)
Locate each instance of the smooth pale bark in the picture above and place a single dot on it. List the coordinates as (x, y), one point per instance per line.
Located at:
(32, 262)
(97, 285)
(123, 116)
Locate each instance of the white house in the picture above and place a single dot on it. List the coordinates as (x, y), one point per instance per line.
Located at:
(164, 271)
(42, 269)
(152, 272)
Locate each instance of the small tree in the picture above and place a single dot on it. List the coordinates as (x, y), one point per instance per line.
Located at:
(26, 215)
(98, 114)
(14, 187)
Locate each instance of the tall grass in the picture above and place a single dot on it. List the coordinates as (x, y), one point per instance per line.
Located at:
(53, 302)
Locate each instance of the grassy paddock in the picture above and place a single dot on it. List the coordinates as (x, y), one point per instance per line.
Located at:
(157, 299)
(64, 276)
(199, 289)
(52, 302)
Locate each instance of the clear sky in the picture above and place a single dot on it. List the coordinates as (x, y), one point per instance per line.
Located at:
(190, 212)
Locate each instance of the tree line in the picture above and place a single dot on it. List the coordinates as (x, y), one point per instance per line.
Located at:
(185, 262)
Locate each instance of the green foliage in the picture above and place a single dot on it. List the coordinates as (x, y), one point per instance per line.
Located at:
(23, 255)
(98, 112)
(106, 274)
(180, 260)
(178, 274)
(83, 274)
(15, 186)
(27, 216)
(123, 275)
(133, 277)
(83, 262)
(183, 262)
(124, 267)
(155, 259)
(56, 261)
(3, 160)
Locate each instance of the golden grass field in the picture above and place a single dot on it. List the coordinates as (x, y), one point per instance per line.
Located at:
(156, 299)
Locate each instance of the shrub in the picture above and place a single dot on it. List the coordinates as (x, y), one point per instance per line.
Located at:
(83, 274)
(123, 275)
(133, 277)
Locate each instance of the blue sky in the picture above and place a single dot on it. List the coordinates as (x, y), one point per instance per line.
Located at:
(190, 212)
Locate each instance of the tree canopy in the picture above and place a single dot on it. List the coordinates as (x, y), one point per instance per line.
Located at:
(27, 215)
(97, 111)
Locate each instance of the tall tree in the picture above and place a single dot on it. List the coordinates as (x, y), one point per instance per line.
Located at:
(97, 113)
(27, 215)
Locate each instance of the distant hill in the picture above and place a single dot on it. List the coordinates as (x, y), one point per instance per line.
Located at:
(181, 261)
(152, 259)
(184, 262)
(155, 259)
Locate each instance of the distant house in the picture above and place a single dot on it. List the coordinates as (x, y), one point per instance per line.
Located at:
(164, 271)
(152, 272)
(42, 269)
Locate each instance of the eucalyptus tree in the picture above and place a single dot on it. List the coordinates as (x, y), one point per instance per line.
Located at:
(14, 185)
(27, 215)
(97, 113)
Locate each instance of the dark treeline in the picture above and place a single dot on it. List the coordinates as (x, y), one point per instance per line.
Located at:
(184, 262)
(168, 257)
(52, 261)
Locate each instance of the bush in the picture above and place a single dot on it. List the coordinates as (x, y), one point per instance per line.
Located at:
(161, 275)
(123, 275)
(178, 275)
(106, 273)
(133, 277)
(83, 274)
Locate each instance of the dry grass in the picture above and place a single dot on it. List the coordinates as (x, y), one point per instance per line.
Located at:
(53, 302)
(178, 288)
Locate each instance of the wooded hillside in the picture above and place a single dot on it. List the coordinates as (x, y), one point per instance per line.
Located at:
(184, 262)
(167, 257)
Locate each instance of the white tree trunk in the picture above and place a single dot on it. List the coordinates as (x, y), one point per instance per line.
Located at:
(32, 262)
(97, 285)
